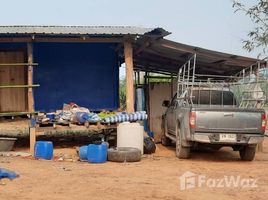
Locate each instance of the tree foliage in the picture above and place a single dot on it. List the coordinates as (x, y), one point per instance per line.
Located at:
(258, 13)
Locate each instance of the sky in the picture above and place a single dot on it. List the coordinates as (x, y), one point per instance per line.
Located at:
(209, 24)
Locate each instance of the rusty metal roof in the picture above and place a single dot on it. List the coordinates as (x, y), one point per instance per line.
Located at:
(163, 55)
(81, 30)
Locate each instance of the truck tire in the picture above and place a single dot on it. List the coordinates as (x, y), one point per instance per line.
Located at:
(149, 145)
(124, 154)
(181, 151)
(247, 153)
(165, 141)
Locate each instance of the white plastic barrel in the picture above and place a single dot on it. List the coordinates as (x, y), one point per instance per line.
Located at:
(130, 135)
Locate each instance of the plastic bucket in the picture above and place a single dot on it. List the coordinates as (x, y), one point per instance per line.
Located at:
(97, 153)
(44, 150)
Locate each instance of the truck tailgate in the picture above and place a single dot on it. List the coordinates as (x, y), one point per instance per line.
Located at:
(228, 120)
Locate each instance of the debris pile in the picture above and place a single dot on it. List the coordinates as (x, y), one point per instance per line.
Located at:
(72, 113)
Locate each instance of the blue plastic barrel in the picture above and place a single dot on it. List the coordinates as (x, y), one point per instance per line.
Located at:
(97, 153)
(83, 153)
(43, 149)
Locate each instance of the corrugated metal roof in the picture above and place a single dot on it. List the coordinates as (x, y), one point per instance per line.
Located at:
(168, 56)
(81, 30)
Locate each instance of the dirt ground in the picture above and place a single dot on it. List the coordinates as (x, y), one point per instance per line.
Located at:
(155, 177)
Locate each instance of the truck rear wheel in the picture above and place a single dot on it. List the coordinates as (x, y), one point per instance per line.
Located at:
(181, 151)
(247, 153)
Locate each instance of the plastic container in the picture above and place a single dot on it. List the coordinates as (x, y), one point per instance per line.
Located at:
(83, 153)
(50, 116)
(82, 117)
(130, 135)
(97, 153)
(6, 144)
(43, 149)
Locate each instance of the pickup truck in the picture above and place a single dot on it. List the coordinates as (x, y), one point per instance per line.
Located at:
(212, 117)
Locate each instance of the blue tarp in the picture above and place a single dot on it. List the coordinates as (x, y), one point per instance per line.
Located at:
(4, 173)
(84, 73)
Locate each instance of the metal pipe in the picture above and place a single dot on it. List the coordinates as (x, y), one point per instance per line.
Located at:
(209, 75)
(159, 77)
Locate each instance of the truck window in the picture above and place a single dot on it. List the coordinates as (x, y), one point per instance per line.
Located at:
(217, 97)
(228, 98)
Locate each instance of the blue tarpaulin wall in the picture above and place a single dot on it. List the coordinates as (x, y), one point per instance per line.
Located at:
(84, 73)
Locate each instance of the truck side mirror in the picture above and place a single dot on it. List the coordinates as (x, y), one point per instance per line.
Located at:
(166, 103)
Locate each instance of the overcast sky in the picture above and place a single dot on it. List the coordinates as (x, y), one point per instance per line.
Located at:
(209, 24)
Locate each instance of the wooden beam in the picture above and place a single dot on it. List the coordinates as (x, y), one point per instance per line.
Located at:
(81, 39)
(30, 77)
(17, 64)
(24, 39)
(19, 86)
(142, 47)
(32, 131)
(8, 114)
(70, 39)
(128, 51)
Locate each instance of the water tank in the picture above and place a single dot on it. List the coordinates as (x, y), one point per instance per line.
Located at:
(130, 135)
(97, 153)
(44, 150)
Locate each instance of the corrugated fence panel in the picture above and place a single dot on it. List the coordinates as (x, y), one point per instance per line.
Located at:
(83, 73)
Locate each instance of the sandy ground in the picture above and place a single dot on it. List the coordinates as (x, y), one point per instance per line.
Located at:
(155, 177)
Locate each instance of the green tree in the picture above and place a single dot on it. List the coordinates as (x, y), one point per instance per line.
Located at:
(258, 13)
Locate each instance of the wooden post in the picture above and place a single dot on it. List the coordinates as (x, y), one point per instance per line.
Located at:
(32, 139)
(128, 51)
(30, 77)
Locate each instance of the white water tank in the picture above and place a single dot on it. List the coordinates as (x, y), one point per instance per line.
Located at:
(130, 135)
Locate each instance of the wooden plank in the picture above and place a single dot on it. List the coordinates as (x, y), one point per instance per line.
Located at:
(17, 64)
(77, 39)
(6, 114)
(19, 86)
(81, 39)
(30, 78)
(129, 76)
(32, 139)
(12, 100)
